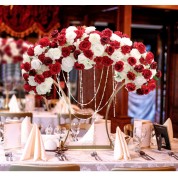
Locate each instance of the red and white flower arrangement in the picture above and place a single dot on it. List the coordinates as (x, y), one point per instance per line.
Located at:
(12, 50)
(83, 48)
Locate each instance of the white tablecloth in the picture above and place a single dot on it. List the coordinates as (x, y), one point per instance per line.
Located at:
(88, 163)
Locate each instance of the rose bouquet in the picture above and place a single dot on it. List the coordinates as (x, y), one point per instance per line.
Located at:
(83, 48)
(12, 50)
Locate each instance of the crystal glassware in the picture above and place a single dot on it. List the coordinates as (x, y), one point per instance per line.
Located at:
(75, 128)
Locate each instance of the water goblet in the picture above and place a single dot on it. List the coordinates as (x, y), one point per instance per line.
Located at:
(75, 128)
(138, 138)
(49, 130)
(61, 133)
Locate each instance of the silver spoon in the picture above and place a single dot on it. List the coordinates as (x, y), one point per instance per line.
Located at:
(95, 154)
(173, 155)
(144, 154)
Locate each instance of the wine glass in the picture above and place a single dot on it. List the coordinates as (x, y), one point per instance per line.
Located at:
(60, 132)
(75, 128)
(49, 130)
(138, 138)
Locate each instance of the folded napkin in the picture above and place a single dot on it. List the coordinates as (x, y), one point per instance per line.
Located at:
(34, 147)
(63, 107)
(168, 123)
(120, 147)
(13, 104)
(26, 127)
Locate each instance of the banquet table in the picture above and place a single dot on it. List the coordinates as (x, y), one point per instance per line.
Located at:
(83, 158)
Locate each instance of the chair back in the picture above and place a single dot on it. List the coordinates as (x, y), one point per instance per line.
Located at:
(62, 167)
(168, 168)
(128, 129)
(11, 115)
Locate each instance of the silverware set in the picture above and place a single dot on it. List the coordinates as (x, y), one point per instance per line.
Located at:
(172, 154)
(61, 157)
(145, 156)
(9, 156)
(95, 155)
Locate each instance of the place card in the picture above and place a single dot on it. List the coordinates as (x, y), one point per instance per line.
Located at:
(12, 134)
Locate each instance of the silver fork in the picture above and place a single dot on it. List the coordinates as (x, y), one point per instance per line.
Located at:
(95, 154)
(173, 155)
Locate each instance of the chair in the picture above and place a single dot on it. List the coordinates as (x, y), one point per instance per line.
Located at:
(62, 167)
(128, 129)
(12, 115)
(169, 168)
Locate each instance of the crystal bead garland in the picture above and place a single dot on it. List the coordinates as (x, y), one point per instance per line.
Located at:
(114, 99)
(94, 79)
(81, 88)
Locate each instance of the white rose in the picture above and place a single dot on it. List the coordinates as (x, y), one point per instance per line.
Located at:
(117, 55)
(31, 81)
(32, 92)
(67, 64)
(84, 36)
(23, 71)
(85, 61)
(144, 55)
(98, 49)
(90, 29)
(44, 68)
(115, 37)
(53, 53)
(126, 41)
(135, 53)
(119, 76)
(36, 64)
(139, 81)
(71, 28)
(94, 38)
(70, 36)
(153, 72)
(26, 58)
(127, 67)
(44, 87)
(38, 50)
(7, 58)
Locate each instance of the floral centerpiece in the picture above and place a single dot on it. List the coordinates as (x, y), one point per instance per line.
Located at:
(83, 48)
(12, 50)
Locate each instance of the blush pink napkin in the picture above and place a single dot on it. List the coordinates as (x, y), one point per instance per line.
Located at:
(34, 147)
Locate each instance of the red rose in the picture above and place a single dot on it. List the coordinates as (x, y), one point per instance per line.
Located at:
(84, 45)
(131, 75)
(54, 33)
(27, 87)
(88, 54)
(17, 59)
(30, 51)
(104, 40)
(25, 76)
(125, 35)
(55, 68)
(65, 51)
(158, 74)
(72, 48)
(140, 47)
(145, 89)
(139, 91)
(32, 72)
(53, 44)
(79, 32)
(146, 73)
(115, 44)
(107, 32)
(39, 78)
(26, 66)
(118, 33)
(149, 57)
(61, 39)
(98, 59)
(109, 50)
(106, 61)
(47, 61)
(119, 66)
(79, 66)
(153, 65)
(23, 50)
(7, 50)
(151, 85)
(76, 53)
(63, 31)
(19, 43)
(143, 61)
(125, 49)
(41, 57)
(132, 61)
(130, 86)
(139, 68)
(44, 42)
(47, 74)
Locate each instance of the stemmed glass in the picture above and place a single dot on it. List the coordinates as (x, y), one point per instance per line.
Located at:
(75, 128)
(138, 138)
(61, 133)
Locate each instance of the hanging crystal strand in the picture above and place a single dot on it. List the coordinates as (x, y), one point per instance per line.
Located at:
(68, 85)
(113, 86)
(94, 79)
(81, 88)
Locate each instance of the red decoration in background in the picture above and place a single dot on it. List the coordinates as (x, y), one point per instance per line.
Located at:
(21, 20)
